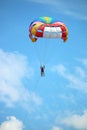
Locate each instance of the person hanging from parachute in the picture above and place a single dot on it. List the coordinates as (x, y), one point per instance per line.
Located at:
(47, 27)
(42, 68)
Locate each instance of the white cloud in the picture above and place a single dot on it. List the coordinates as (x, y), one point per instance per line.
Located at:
(12, 123)
(76, 121)
(83, 61)
(56, 128)
(14, 68)
(69, 98)
(81, 72)
(59, 68)
(77, 79)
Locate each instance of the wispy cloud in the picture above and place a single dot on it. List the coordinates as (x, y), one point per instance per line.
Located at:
(69, 98)
(77, 15)
(83, 61)
(56, 128)
(79, 122)
(12, 123)
(77, 79)
(69, 8)
(14, 68)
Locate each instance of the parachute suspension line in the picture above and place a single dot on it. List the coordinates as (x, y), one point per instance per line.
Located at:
(42, 46)
(52, 44)
(40, 49)
(35, 47)
(46, 50)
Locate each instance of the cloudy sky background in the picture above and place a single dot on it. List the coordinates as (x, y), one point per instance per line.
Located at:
(58, 100)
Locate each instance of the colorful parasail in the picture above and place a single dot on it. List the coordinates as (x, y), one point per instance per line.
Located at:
(47, 27)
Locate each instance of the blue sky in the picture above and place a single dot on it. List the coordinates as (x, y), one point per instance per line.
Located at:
(58, 100)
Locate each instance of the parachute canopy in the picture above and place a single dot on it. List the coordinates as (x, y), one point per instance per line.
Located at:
(47, 27)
